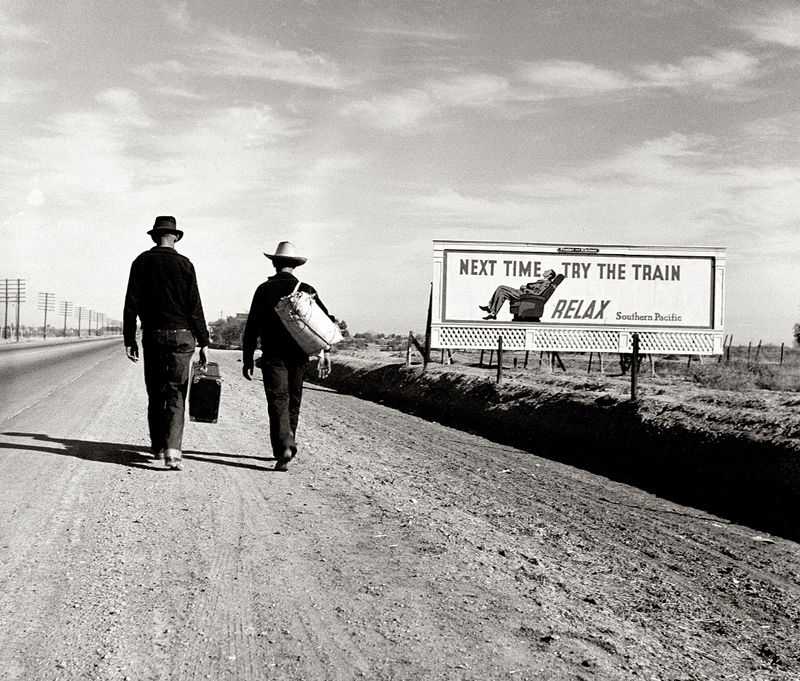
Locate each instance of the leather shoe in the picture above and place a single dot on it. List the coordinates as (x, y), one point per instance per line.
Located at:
(172, 458)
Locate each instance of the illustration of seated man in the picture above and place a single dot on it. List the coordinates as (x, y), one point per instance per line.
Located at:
(527, 302)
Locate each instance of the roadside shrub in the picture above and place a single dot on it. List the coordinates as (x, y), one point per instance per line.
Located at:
(741, 377)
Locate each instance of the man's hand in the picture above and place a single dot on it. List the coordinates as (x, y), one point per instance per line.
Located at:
(323, 364)
(203, 357)
(133, 352)
(247, 369)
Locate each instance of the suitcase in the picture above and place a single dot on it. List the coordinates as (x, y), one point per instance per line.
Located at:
(204, 393)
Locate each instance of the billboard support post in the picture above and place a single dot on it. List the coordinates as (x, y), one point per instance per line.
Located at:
(499, 359)
(427, 354)
(634, 366)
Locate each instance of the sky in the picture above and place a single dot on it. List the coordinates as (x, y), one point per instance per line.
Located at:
(362, 130)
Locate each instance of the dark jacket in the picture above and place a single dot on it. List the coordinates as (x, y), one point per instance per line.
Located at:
(162, 292)
(264, 323)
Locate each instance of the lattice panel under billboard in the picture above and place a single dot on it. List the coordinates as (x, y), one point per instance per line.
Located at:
(574, 340)
(673, 343)
(478, 338)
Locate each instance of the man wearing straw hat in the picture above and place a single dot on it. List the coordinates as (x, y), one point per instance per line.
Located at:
(283, 361)
(162, 292)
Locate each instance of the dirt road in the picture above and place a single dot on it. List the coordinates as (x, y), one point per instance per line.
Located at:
(393, 548)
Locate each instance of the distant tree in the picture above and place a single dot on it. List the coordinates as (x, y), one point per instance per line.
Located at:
(227, 333)
(343, 328)
(796, 334)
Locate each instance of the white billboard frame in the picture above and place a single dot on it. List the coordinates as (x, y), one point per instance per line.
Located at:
(449, 331)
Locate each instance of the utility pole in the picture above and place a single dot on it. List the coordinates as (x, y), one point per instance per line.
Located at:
(89, 331)
(5, 300)
(100, 320)
(65, 307)
(79, 312)
(12, 292)
(19, 291)
(46, 303)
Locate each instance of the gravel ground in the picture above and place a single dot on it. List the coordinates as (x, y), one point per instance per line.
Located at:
(393, 548)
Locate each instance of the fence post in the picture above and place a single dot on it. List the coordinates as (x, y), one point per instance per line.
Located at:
(635, 366)
(749, 347)
(589, 370)
(758, 351)
(730, 343)
(782, 353)
(499, 359)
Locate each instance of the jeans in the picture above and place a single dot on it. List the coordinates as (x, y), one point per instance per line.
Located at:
(283, 384)
(167, 358)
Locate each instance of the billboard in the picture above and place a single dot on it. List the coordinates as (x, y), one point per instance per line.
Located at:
(495, 284)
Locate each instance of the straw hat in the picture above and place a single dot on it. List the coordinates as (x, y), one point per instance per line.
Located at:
(287, 252)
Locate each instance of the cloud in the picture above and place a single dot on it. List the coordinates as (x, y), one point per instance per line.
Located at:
(674, 190)
(392, 111)
(723, 70)
(778, 26)
(168, 77)
(414, 34)
(229, 55)
(13, 30)
(177, 16)
(540, 81)
(471, 90)
(568, 78)
(19, 42)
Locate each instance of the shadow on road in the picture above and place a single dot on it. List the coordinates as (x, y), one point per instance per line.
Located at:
(119, 453)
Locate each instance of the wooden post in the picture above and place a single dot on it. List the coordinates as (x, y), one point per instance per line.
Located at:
(481, 360)
(782, 353)
(589, 370)
(602, 367)
(499, 359)
(758, 351)
(749, 346)
(560, 363)
(652, 366)
(541, 354)
(491, 357)
(408, 349)
(635, 366)
(427, 354)
(724, 343)
(728, 354)
(526, 359)
(515, 362)
(689, 363)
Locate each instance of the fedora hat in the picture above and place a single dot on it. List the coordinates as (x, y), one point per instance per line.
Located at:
(287, 251)
(165, 223)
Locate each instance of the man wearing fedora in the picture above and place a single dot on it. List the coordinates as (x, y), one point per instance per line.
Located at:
(283, 361)
(162, 292)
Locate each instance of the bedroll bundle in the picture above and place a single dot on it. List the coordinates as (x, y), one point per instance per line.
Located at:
(306, 322)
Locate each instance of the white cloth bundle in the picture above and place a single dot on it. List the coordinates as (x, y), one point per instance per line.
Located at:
(306, 322)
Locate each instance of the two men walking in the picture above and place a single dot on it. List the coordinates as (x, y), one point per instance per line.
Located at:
(162, 292)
